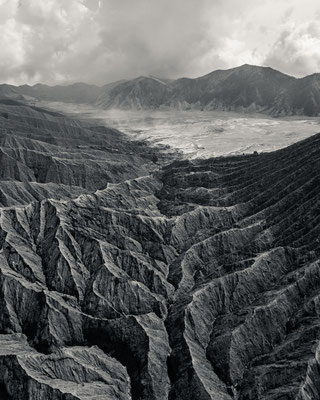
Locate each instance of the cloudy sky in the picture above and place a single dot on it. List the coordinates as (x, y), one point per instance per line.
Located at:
(64, 41)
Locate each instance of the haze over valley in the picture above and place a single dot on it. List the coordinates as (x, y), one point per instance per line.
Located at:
(199, 133)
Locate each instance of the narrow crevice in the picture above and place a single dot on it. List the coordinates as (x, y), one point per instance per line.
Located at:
(4, 395)
(121, 352)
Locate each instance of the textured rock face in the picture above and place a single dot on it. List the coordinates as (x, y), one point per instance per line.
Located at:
(198, 281)
(45, 155)
(246, 295)
(71, 373)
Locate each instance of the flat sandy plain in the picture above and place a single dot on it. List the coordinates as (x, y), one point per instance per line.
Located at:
(200, 133)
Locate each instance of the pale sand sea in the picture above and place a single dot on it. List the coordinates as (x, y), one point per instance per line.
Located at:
(200, 133)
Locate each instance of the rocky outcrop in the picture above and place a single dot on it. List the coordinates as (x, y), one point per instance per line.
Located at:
(199, 280)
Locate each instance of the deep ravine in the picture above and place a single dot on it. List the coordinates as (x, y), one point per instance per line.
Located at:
(122, 279)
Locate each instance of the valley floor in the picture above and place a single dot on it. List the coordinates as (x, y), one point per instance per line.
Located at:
(200, 134)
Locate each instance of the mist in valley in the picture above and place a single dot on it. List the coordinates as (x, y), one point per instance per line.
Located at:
(199, 133)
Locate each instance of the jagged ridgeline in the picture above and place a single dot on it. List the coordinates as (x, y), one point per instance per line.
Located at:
(199, 280)
(245, 89)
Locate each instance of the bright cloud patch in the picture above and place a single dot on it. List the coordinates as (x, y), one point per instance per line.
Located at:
(297, 51)
(62, 41)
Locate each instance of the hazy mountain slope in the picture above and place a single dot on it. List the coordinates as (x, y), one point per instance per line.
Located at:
(10, 92)
(76, 93)
(198, 281)
(139, 93)
(302, 97)
(245, 88)
(232, 89)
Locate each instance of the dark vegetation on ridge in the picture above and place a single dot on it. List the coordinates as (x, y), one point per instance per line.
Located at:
(197, 279)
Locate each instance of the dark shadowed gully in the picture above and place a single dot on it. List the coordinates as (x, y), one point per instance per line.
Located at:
(122, 279)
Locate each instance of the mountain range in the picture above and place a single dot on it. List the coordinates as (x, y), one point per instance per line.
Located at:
(246, 89)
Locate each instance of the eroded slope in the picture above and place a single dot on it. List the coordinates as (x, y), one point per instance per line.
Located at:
(44, 154)
(199, 281)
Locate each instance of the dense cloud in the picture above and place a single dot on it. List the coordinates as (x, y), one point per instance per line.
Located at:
(60, 41)
(297, 50)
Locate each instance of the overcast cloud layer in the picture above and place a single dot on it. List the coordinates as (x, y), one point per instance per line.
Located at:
(64, 41)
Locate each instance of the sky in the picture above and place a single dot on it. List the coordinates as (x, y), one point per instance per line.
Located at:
(66, 41)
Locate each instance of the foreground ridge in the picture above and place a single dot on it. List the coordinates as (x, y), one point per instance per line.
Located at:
(197, 281)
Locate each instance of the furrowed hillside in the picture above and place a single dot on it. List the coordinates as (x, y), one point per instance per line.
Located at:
(199, 280)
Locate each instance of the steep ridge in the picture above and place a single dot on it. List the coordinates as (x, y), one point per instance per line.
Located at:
(46, 155)
(200, 280)
(252, 290)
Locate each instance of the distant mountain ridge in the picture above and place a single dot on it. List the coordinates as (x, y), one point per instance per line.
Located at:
(246, 88)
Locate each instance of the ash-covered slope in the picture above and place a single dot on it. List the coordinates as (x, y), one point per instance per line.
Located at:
(46, 155)
(199, 281)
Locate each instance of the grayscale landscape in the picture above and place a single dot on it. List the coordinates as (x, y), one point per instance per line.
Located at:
(159, 200)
